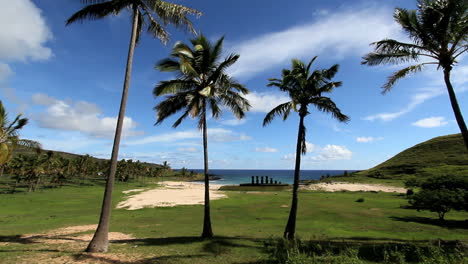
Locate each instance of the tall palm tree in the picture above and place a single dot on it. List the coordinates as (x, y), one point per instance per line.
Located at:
(202, 85)
(439, 33)
(143, 12)
(304, 87)
(9, 137)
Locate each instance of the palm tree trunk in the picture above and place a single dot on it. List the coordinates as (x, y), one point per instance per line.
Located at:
(2, 167)
(207, 231)
(455, 107)
(290, 229)
(100, 241)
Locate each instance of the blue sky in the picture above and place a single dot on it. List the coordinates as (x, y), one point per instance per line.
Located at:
(68, 81)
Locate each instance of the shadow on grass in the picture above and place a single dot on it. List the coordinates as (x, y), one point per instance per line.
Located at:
(103, 259)
(164, 241)
(17, 239)
(451, 224)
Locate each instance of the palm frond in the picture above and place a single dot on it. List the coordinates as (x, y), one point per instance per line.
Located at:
(400, 75)
(170, 106)
(174, 14)
(325, 104)
(99, 10)
(28, 143)
(167, 65)
(157, 30)
(172, 87)
(281, 110)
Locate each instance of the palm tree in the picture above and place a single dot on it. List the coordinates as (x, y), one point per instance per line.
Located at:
(202, 85)
(439, 32)
(142, 13)
(304, 88)
(9, 137)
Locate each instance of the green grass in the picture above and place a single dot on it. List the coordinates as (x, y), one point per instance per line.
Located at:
(241, 223)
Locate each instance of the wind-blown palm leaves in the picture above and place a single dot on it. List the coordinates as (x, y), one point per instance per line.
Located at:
(304, 87)
(9, 136)
(202, 85)
(144, 13)
(439, 32)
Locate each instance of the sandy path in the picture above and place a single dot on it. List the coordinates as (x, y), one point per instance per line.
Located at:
(353, 187)
(171, 194)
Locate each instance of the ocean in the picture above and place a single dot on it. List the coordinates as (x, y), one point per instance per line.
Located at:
(285, 176)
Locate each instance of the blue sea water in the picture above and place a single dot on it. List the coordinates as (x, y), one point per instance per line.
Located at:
(284, 176)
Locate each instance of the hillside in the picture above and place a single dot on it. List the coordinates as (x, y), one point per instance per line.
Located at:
(438, 156)
(67, 155)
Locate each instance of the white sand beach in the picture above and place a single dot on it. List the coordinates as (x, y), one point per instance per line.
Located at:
(353, 187)
(171, 194)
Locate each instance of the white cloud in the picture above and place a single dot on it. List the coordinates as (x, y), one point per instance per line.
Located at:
(214, 135)
(79, 116)
(233, 122)
(431, 122)
(310, 147)
(368, 139)
(24, 32)
(5, 71)
(343, 33)
(265, 102)
(189, 150)
(333, 152)
(266, 150)
(420, 97)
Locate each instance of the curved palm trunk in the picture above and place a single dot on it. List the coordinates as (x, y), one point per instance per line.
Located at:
(100, 241)
(207, 231)
(291, 225)
(455, 107)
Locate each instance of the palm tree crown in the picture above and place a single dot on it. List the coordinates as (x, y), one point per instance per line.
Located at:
(9, 136)
(438, 32)
(202, 83)
(305, 87)
(166, 13)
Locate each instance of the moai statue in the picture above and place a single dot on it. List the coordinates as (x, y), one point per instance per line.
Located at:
(256, 179)
(253, 182)
(276, 182)
(266, 179)
(271, 180)
(261, 181)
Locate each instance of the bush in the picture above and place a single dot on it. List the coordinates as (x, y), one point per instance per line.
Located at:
(441, 195)
(360, 200)
(335, 252)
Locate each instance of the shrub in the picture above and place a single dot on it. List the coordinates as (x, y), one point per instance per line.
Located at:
(442, 194)
(360, 200)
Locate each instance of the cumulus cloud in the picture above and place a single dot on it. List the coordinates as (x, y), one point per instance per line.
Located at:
(23, 36)
(343, 33)
(333, 152)
(266, 150)
(214, 135)
(368, 139)
(329, 152)
(436, 121)
(79, 116)
(264, 102)
(233, 122)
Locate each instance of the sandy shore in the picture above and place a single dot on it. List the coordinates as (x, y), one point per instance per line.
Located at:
(352, 187)
(171, 194)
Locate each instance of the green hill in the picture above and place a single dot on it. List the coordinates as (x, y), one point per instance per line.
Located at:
(67, 155)
(445, 155)
(437, 156)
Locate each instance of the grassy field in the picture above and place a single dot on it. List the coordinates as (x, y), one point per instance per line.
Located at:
(241, 223)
